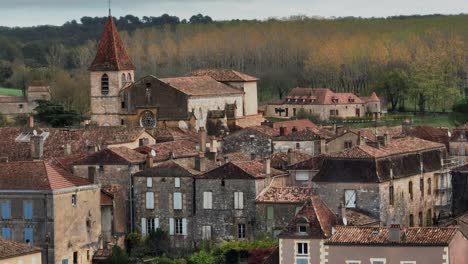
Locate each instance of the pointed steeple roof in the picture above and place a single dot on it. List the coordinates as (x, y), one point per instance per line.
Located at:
(111, 54)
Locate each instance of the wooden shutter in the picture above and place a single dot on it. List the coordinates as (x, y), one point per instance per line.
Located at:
(150, 200)
(149, 182)
(350, 198)
(207, 200)
(171, 226)
(6, 210)
(241, 200)
(270, 213)
(177, 201)
(28, 210)
(143, 226)
(156, 223)
(184, 226)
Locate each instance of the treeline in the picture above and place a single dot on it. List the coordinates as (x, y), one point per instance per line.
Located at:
(418, 63)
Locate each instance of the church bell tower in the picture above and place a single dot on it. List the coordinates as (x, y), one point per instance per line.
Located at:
(110, 71)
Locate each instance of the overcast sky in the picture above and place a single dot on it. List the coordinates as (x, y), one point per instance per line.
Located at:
(56, 12)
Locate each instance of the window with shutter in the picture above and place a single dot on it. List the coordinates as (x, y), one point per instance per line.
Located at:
(241, 231)
(184, 226)
(64, 261)
(270, 213)
(28, 210)
(28, 236)
(350, 198)
(150, 200)
(177, 201)
(207, 200)
(171, 226)
(6, 213)
(238, 200)
(149, 182)
(177, 182)
(6, 232)
(143, 226)
(206, 232)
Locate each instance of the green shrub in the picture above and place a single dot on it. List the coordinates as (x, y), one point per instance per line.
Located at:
(461, 106)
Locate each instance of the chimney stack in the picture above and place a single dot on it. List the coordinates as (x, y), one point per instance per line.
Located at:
(360, 141)
(394, 233)
(200, 164)
(323, 146)
(291, 157)
(253, 156)
(31, 121)
(149, 161)
(342, 214)
(267, 166)
(37, 147)
(226, 159)
(386, 139)
(67, 150)
(202, 135)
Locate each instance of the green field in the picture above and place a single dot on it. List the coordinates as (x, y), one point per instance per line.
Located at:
(11, 91)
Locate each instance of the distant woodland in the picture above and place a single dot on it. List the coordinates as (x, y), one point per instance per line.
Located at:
(418, 63)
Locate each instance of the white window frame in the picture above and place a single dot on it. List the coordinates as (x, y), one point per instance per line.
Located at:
(207, 200)
(373, 260)
(177, 205)
(353, 262)
(177, 182)
(238, 200)
(241, 231)
(297, 255)
(149, 182)
(206, 232)
(408, 262)
(302, 176)
(152, 222)
(149, 200)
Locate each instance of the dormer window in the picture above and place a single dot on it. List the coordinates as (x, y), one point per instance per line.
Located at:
(124, 80)
(302, 228)
(351, 100)
(105, 84)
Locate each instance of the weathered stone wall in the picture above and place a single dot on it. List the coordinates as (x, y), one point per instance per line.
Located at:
(223, 218)
(241, 141)
(250, 97)
(202, 105)
(12, 109)
(30, 258)
(338, 144)
(323, 111)
(77, 228)
(283, 213)
(164, 188)
(309, 147)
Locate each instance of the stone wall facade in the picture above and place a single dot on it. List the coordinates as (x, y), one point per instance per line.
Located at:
(323, 111)
(308, 147)
(242, 141)
(283, 213)
(202, 105)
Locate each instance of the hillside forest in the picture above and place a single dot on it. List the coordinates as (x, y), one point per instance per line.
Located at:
(419, 63)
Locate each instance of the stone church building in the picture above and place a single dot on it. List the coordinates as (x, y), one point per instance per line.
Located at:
(213, 98)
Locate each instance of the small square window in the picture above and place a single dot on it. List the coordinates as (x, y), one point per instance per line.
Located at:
(303, 248)
(73, 200)
(20, 106)
(302, 228)
(177, 182)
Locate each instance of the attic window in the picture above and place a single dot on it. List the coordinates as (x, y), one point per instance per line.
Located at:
(302, 228)
(351, 100)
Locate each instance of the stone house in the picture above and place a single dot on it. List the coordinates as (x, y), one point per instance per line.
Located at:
(396, 245)
(17, 105)
(46, 206)
(302, 173)
(185, 150)
(254, 141)
(281, 160)
(112, 169)
(396, 182)
(345, 141)
(164, 198)
(276, 206)
(14, 252)
(225, 200)
(302, 241)
(325, 103)
(306, 141)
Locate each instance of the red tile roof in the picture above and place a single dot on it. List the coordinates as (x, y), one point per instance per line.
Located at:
(178, 149)
(223, 75)
(372, 98)
(394, 147)
(111, 54)
(113, 156)
(318, 217)
(435, 134)
(415, 236)
(298, 124)
(12, 249)
(13, 99)
(240, 170)
(201, 86)
(38, 89)
(279, 160)
(314, 163)
(303, 135)
(372, 133)
(284, 195)
(320, 96)
(173, 134)
(36, 175)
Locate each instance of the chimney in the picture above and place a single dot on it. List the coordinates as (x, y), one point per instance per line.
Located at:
(406, 126)
(267, 165)
(323, 146)
(200, 164)
(291, 157)
(282, 131)
(253, 156)
(31, 121)
(149, 161)
(37, 147)
(394, 233)
(360, 141)
(386, 139)
(342, 214)
(67, 150)
(226, 159)
(3, 159)
(202, 138)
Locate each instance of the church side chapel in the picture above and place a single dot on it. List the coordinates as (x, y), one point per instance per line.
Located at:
(216, 99)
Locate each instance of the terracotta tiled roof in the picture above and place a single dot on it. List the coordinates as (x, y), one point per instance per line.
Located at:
(298, 124)
(314, 163)
(372, 133)
(113, 156)
(36, 175)
(358, 217)
(38, 89)
(279, 160)
(303, 135)
(201, 86)
(13, 99)
(107, 199)
(240, 170)
(54, 145)
(223, 75)
(394, 147)
(178, 149)
(66, 162)
(12, 249)
(284, 195)
(266, 130)
(320, 96)
(318, 218)
(250, 121)
(418, 236)
(430, 133)
(111, 54)
(173, 134)
(172, 168)
(372, 98)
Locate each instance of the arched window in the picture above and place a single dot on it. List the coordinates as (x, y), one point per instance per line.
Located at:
(129, 77)
(410, 189)
(124, 80)
(147, 120)
(105, 84)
